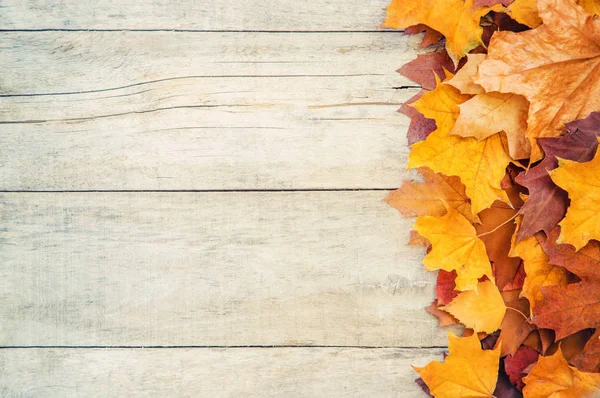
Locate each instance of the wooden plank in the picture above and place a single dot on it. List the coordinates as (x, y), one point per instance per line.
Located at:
(186, 372)
(240, 15)
(205, 111)
(211, 269)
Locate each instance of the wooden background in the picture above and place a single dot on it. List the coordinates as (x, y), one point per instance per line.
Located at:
(191, 201)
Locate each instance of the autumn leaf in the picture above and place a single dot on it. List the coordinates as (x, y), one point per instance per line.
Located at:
(553, 377)
(463, 79)
(515, 364)
(425, 67)
(441, 105)
(489, 113)
(455, 246)
(588, 359)
(455, 19)
(576, 306)
(556, 67)
(444, 318)
(420, 127)
(431, 197)
(580, 180)
(444, 287)
(539, 272)
(467, 371)
(515, 326)
(496, 230)
(479, 164)
(547, 203)
(430, 37)
(526, 12)
(481, 310)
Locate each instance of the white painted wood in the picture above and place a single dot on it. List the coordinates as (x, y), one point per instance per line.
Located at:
(189, 372)
(271, 15)
(156, 111)
(225, 269)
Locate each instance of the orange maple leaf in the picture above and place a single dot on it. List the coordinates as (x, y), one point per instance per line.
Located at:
(553, 377)
(457, 20)
(555, 66)
(468, 371)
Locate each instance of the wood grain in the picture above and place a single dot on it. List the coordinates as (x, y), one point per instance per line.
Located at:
(211, 269)
(187, 372)
(270, 15)
(202, 111)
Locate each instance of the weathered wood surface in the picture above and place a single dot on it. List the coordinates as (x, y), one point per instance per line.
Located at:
(209, 109)
(206, 111)
(211, 269)
(240, 15)
(195, 372)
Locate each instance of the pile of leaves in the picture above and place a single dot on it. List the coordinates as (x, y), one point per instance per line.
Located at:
(505, 133)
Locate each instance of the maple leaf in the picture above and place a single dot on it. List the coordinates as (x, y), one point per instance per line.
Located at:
(496, 231)
(515, 326)
(580, 180)
(431, 36)
(425, 67)
(588, 359)
(441, 105)
(444, 287)
(539, 272)
(455, 247)
(576, 306)
(480, 165)
(515, 364)
(463, 79)
(526, 12)
(547, 203)
(481, 310)
(467, 371)
(420, 127)
(489, 113)
(573, 344)
(553, 377)
(444, 318)
(555, 66)
(455, 19)
(431, 197)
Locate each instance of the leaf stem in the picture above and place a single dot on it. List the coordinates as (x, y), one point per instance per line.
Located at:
(516, 310)
(498, 227)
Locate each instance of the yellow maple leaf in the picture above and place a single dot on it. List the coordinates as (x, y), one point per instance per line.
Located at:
(489, 113)
(526, 11)
(457, 20)
(468, 371)
(455, 246)
(552, 377)
(538, 270)
(555, 66)
(480, 165)
(463, 79)
(431, 197)
(441, 105)
(582, 183)
(481, 310)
